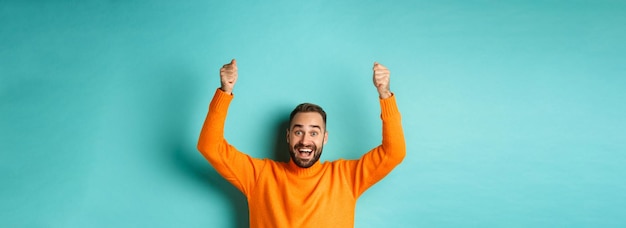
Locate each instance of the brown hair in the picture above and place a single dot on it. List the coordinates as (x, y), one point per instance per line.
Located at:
(307, 107)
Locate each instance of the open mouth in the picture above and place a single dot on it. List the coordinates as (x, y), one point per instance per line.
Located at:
(305, 153)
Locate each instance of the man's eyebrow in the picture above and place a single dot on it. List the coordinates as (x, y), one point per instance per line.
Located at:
(301, 126)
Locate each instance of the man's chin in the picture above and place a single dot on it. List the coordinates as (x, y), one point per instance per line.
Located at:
(304, 164)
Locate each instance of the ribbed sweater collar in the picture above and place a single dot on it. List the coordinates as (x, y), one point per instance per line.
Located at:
(295, 169)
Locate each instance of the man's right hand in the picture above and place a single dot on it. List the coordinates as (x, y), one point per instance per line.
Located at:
(228, 76)
(381, 80)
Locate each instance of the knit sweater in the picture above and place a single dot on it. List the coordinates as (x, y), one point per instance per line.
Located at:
(281, 194)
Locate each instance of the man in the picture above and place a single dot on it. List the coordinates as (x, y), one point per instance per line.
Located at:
(302, 192)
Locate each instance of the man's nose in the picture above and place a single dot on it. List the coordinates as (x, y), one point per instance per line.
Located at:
(305, 138)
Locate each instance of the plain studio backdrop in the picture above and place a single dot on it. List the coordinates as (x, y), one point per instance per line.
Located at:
(514, 111)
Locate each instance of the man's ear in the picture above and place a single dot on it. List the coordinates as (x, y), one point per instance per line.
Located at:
(325, 137)
(287, 135)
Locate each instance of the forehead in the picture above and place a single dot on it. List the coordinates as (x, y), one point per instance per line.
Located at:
(307, 119)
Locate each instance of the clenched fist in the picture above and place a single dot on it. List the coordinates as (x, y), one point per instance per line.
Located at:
(228, 76)
(381, 80)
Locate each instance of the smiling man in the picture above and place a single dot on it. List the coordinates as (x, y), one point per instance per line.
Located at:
(302, 192)
(307, 124)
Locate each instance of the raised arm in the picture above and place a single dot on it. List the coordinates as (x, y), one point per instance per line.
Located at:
(236, 167)
(393, 138)
(378, 162)
(212, 133)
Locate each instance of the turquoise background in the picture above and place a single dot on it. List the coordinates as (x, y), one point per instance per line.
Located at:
(514, 111)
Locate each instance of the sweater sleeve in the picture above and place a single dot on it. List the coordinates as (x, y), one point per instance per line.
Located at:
(236, 167)
(378, 162)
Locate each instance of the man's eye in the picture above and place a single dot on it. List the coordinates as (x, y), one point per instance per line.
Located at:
(314, 134)
(298, 133)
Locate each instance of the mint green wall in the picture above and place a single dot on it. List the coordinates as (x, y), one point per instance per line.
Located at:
(514, 111)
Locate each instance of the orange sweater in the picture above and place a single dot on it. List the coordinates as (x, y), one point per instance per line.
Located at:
(284, 195)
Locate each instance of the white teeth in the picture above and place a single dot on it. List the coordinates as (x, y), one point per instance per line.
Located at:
(306, 151)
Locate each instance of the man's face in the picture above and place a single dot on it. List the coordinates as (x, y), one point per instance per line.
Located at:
(306, 137)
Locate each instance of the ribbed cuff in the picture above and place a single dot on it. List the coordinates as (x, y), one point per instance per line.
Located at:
(389, 108)
(221, 100)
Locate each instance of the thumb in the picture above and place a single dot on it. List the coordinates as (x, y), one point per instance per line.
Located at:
(233, 62)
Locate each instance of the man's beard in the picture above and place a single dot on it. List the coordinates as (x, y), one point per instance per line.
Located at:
(305, 163)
